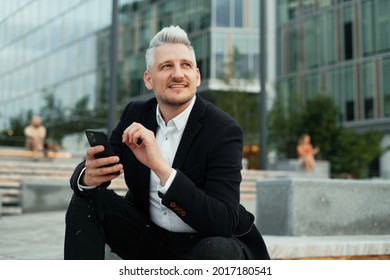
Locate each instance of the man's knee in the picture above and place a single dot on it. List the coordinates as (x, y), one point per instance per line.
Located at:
(218, 248)
(93, 200)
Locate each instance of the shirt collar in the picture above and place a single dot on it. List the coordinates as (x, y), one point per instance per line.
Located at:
(180, 120)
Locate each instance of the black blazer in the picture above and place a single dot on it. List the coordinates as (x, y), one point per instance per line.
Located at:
(206, 190)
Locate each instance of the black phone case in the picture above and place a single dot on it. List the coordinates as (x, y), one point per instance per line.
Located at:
(97, 137)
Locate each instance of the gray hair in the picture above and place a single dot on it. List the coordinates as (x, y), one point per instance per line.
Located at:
(167, 35)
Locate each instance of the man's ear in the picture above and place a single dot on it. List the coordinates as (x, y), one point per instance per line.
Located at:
(198, 79)
(148, 80)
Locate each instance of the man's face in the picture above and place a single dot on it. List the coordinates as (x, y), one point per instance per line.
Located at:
(36, 121)
(173, 76)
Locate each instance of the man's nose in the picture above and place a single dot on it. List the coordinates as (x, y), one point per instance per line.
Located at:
(177, 73)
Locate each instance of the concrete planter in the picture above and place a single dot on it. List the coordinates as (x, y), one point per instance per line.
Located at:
(312, 207)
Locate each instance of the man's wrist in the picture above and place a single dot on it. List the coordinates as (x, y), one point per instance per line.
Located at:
(81, 184)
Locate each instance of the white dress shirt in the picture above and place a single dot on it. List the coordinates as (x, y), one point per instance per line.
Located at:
(168, 137)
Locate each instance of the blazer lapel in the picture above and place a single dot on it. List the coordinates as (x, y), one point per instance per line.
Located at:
(149, 121)
(192, 128)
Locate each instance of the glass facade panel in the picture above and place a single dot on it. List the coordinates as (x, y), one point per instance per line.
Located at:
(348, 36)
(308, 6)
(382, 25)
(310, 43)
(368, 88)
(368, 28)
(238, 13)
(311, 84)
(328, 43)
(288, 9)
(223, 13)
(240, 45)
(333, 87)
(386, 87)
(202, 46)
(349, 92)
(254, 12)
(292, 48)
(220, 51)
(324, 3)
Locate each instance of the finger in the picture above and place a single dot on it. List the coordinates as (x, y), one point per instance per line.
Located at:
(132, 133)
(106, 161)
(110, 170)
(93, 150)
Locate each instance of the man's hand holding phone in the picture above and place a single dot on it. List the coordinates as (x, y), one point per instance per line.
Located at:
(101, 165)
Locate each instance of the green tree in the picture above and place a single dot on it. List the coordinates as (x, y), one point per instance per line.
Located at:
(14, 135)
(284, 126)
(348, 151)
(352, 152)
(319, 119)
(53, 117)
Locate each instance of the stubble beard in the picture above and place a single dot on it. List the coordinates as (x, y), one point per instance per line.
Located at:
(174, 103)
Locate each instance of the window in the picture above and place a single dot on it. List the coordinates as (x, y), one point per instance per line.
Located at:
(329, 38)
(333, 89)
(291, 48)
(368, 87)
(311, 86)
(368, 30)
(349, 92)
(386, 87)
(348, 33)
(223, 13)
(238, 21)
(382, 25)
(310, 43)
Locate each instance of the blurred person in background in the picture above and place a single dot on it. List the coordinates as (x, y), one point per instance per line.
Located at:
(306, 152)
(35, 134)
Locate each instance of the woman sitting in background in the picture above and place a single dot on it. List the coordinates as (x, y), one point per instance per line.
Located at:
(306, 152)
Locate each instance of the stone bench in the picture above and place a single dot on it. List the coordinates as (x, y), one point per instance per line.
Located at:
(49, 195)
(10, 195)
(295, 165)
(52, 194)
(363, 247)
(23, 154)
(321, 207)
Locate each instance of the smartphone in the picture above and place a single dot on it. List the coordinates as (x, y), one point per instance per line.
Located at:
(98, 137)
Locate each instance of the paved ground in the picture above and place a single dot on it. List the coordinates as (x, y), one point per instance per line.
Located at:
(38, 236)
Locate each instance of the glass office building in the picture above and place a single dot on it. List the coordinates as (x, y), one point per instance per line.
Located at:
(62, 49)
(340, 48)
(50, 47)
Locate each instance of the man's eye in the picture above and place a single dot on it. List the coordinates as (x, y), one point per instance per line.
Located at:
(166, 66)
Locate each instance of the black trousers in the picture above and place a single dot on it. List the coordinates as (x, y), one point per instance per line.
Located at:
(102, 217)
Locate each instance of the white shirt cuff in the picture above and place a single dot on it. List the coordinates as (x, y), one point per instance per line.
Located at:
(81, 187)
(164, 189)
